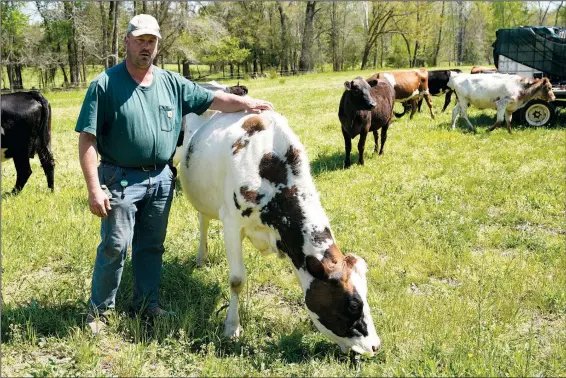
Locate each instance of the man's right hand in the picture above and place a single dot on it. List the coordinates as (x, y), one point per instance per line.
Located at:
(98, 202)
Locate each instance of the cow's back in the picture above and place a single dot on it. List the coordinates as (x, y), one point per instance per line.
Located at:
(482, 90)
(21, 114)
(227, 154)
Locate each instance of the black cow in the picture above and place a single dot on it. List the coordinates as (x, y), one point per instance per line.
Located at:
(26, 130)
(365, 106)
(437, 85)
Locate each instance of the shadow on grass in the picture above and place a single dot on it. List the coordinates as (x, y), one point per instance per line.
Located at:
(328, 163)
(193, 300)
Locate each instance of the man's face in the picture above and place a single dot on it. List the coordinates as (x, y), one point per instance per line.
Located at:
(141, 50)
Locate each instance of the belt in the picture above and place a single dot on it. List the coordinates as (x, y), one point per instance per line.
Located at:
(145, 168)
(149, 168)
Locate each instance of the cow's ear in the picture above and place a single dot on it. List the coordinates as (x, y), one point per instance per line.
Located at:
(372, 83)
(316, 268)
(348, 85)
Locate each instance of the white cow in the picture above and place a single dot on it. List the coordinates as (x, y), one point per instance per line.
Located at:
(503, 92)
(252, 173)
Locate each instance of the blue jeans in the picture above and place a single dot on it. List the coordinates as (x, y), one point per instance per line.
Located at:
(139, 216)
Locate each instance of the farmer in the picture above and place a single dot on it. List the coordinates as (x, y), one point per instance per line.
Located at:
(131, 116)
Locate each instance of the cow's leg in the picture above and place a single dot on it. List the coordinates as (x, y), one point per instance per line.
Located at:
(204, 222)
(413, 107)
(447, 99)
(48, 165)
(237, 275)
(361, 145)
(376, 139)
(501, 104)
(464, 113)
(23, 171)
(508, 116)
(383, 138)
(348, 147)
(429, 103)
(455, 113)
(420, 104)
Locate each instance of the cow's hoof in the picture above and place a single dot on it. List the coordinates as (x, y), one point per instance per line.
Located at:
(232, 332)
(347, 165)
(200, 260)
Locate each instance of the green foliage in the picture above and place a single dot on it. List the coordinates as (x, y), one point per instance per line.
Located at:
(14, 25)
(463, 235)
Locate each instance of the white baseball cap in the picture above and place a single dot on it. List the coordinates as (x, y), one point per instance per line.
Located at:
(143, 24)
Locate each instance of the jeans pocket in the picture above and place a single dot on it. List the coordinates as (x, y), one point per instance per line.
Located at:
(166, 117)
(110, 174)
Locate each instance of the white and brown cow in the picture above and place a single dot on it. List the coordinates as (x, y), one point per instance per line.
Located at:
(410, 86)
(503, 92)
(252, 173)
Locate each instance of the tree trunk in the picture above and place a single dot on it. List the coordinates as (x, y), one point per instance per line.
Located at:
(557, 13)
(186, 69)
(72, 50)
(417, 43)
(306, 61)
(365, 56)
(84, 79)
(144, 7)
(284, 38)
(461, 31)
(437, 48)
(104, 28)
(334, 38)
(382, 52)
(114, 15)
(19, 81)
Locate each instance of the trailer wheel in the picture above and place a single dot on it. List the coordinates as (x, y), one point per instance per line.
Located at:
(539, 113)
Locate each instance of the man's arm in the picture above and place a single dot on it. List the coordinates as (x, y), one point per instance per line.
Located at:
(98, 201)
(229, 103)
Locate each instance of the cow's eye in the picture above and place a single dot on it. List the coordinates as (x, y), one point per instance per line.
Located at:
(355, 306)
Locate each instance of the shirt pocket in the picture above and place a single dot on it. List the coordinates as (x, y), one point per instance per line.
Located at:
(166, 117)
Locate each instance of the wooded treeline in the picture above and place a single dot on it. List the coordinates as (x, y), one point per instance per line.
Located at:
(252, 37)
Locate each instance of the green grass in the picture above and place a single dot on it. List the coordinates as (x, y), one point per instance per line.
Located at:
(464, 236)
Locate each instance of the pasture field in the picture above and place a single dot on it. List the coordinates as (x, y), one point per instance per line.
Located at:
(464, 235)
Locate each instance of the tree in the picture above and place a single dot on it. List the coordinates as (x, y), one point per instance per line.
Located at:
(14, 24)
(377, 25)
(306, 61)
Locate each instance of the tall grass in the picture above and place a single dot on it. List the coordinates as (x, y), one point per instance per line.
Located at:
(464, 236)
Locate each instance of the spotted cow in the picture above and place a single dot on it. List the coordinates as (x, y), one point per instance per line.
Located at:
(252, 173)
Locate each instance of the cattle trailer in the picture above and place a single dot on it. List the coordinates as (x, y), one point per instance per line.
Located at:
(534, 52)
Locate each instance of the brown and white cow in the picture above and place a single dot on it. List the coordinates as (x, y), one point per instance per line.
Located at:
(409, 85)
(252, 173)
(503, 92)
(365, 107)
(483, 69)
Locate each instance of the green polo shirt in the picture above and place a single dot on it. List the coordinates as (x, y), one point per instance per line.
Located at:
(136, 125)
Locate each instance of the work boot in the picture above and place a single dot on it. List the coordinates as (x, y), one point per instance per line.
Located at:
(97, 324)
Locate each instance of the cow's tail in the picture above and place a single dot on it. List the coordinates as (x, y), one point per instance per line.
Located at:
(41, 136)
(399, 115)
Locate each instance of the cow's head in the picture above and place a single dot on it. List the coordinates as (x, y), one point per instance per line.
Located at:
(545, 91)
(336, 299)
(359, 93)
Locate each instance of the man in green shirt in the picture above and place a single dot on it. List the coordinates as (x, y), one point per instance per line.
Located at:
(131, 116)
